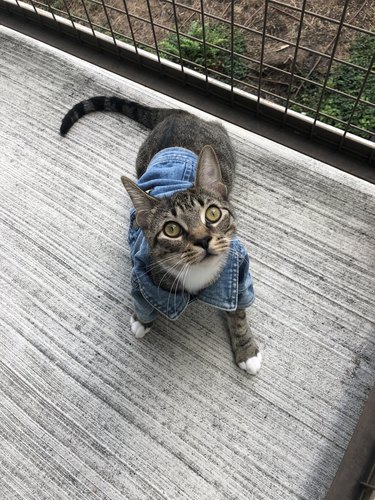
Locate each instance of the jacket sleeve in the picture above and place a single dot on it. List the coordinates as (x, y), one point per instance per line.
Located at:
(246, 294)
(143, 310)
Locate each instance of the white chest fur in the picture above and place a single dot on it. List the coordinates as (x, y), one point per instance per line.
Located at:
(203, 274)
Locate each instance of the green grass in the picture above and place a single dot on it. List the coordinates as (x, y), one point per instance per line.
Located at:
(217, 59)
(348, 80)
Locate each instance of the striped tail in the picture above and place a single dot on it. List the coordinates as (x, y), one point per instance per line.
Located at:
(149, 117)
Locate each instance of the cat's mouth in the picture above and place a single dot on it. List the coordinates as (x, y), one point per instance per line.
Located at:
(209, 255)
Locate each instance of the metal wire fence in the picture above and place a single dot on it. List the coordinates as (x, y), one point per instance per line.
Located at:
(307, 64)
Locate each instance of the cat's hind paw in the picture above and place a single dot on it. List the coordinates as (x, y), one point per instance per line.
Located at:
(252, 365)
(138, 328)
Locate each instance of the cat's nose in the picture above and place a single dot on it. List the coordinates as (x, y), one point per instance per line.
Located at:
(203, 242)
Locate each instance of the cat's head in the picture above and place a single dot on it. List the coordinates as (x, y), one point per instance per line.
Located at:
(190, 229)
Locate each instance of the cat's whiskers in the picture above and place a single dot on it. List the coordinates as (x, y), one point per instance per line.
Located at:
(184, 277)
(169, 271)
(154, 265)
(173, 284)
(161, 261)
(192, 257)
(179, 283)
(221, 246)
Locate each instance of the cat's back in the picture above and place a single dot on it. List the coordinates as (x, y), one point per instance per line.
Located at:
(188, 131)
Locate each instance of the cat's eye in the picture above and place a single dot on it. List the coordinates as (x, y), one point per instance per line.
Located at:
(172, 229)
(213, 214)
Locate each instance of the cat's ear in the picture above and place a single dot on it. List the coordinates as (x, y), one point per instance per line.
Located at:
(208, 175)
(142, 202)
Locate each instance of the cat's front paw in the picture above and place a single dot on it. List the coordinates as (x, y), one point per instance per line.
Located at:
(252, 365)
(138, 328)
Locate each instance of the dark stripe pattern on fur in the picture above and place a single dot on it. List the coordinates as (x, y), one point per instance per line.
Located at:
(149, 117)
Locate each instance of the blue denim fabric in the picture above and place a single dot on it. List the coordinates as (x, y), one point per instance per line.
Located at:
(172, 170)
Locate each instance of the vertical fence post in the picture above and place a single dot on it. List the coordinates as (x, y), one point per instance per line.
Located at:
(342, 19)
(294, 64)
(262, 54)
(204, 44)
(178, 40)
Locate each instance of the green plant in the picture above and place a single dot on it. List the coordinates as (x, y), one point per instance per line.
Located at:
(217, 59)
(349, 80)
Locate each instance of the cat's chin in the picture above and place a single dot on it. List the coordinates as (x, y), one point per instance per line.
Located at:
(204, 273)
(208, 257)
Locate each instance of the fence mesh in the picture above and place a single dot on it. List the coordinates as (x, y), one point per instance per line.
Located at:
(315, 57)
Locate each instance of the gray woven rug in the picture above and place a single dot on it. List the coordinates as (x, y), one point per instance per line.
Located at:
(89, 412)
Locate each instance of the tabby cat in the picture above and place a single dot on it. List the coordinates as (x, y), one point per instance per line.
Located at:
(182, 232)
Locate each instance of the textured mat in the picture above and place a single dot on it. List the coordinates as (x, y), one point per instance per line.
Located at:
(89, 412)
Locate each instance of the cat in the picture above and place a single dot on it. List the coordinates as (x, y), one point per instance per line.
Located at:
(182, 232)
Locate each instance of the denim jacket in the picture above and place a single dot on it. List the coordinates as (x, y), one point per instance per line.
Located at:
(172, 170)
